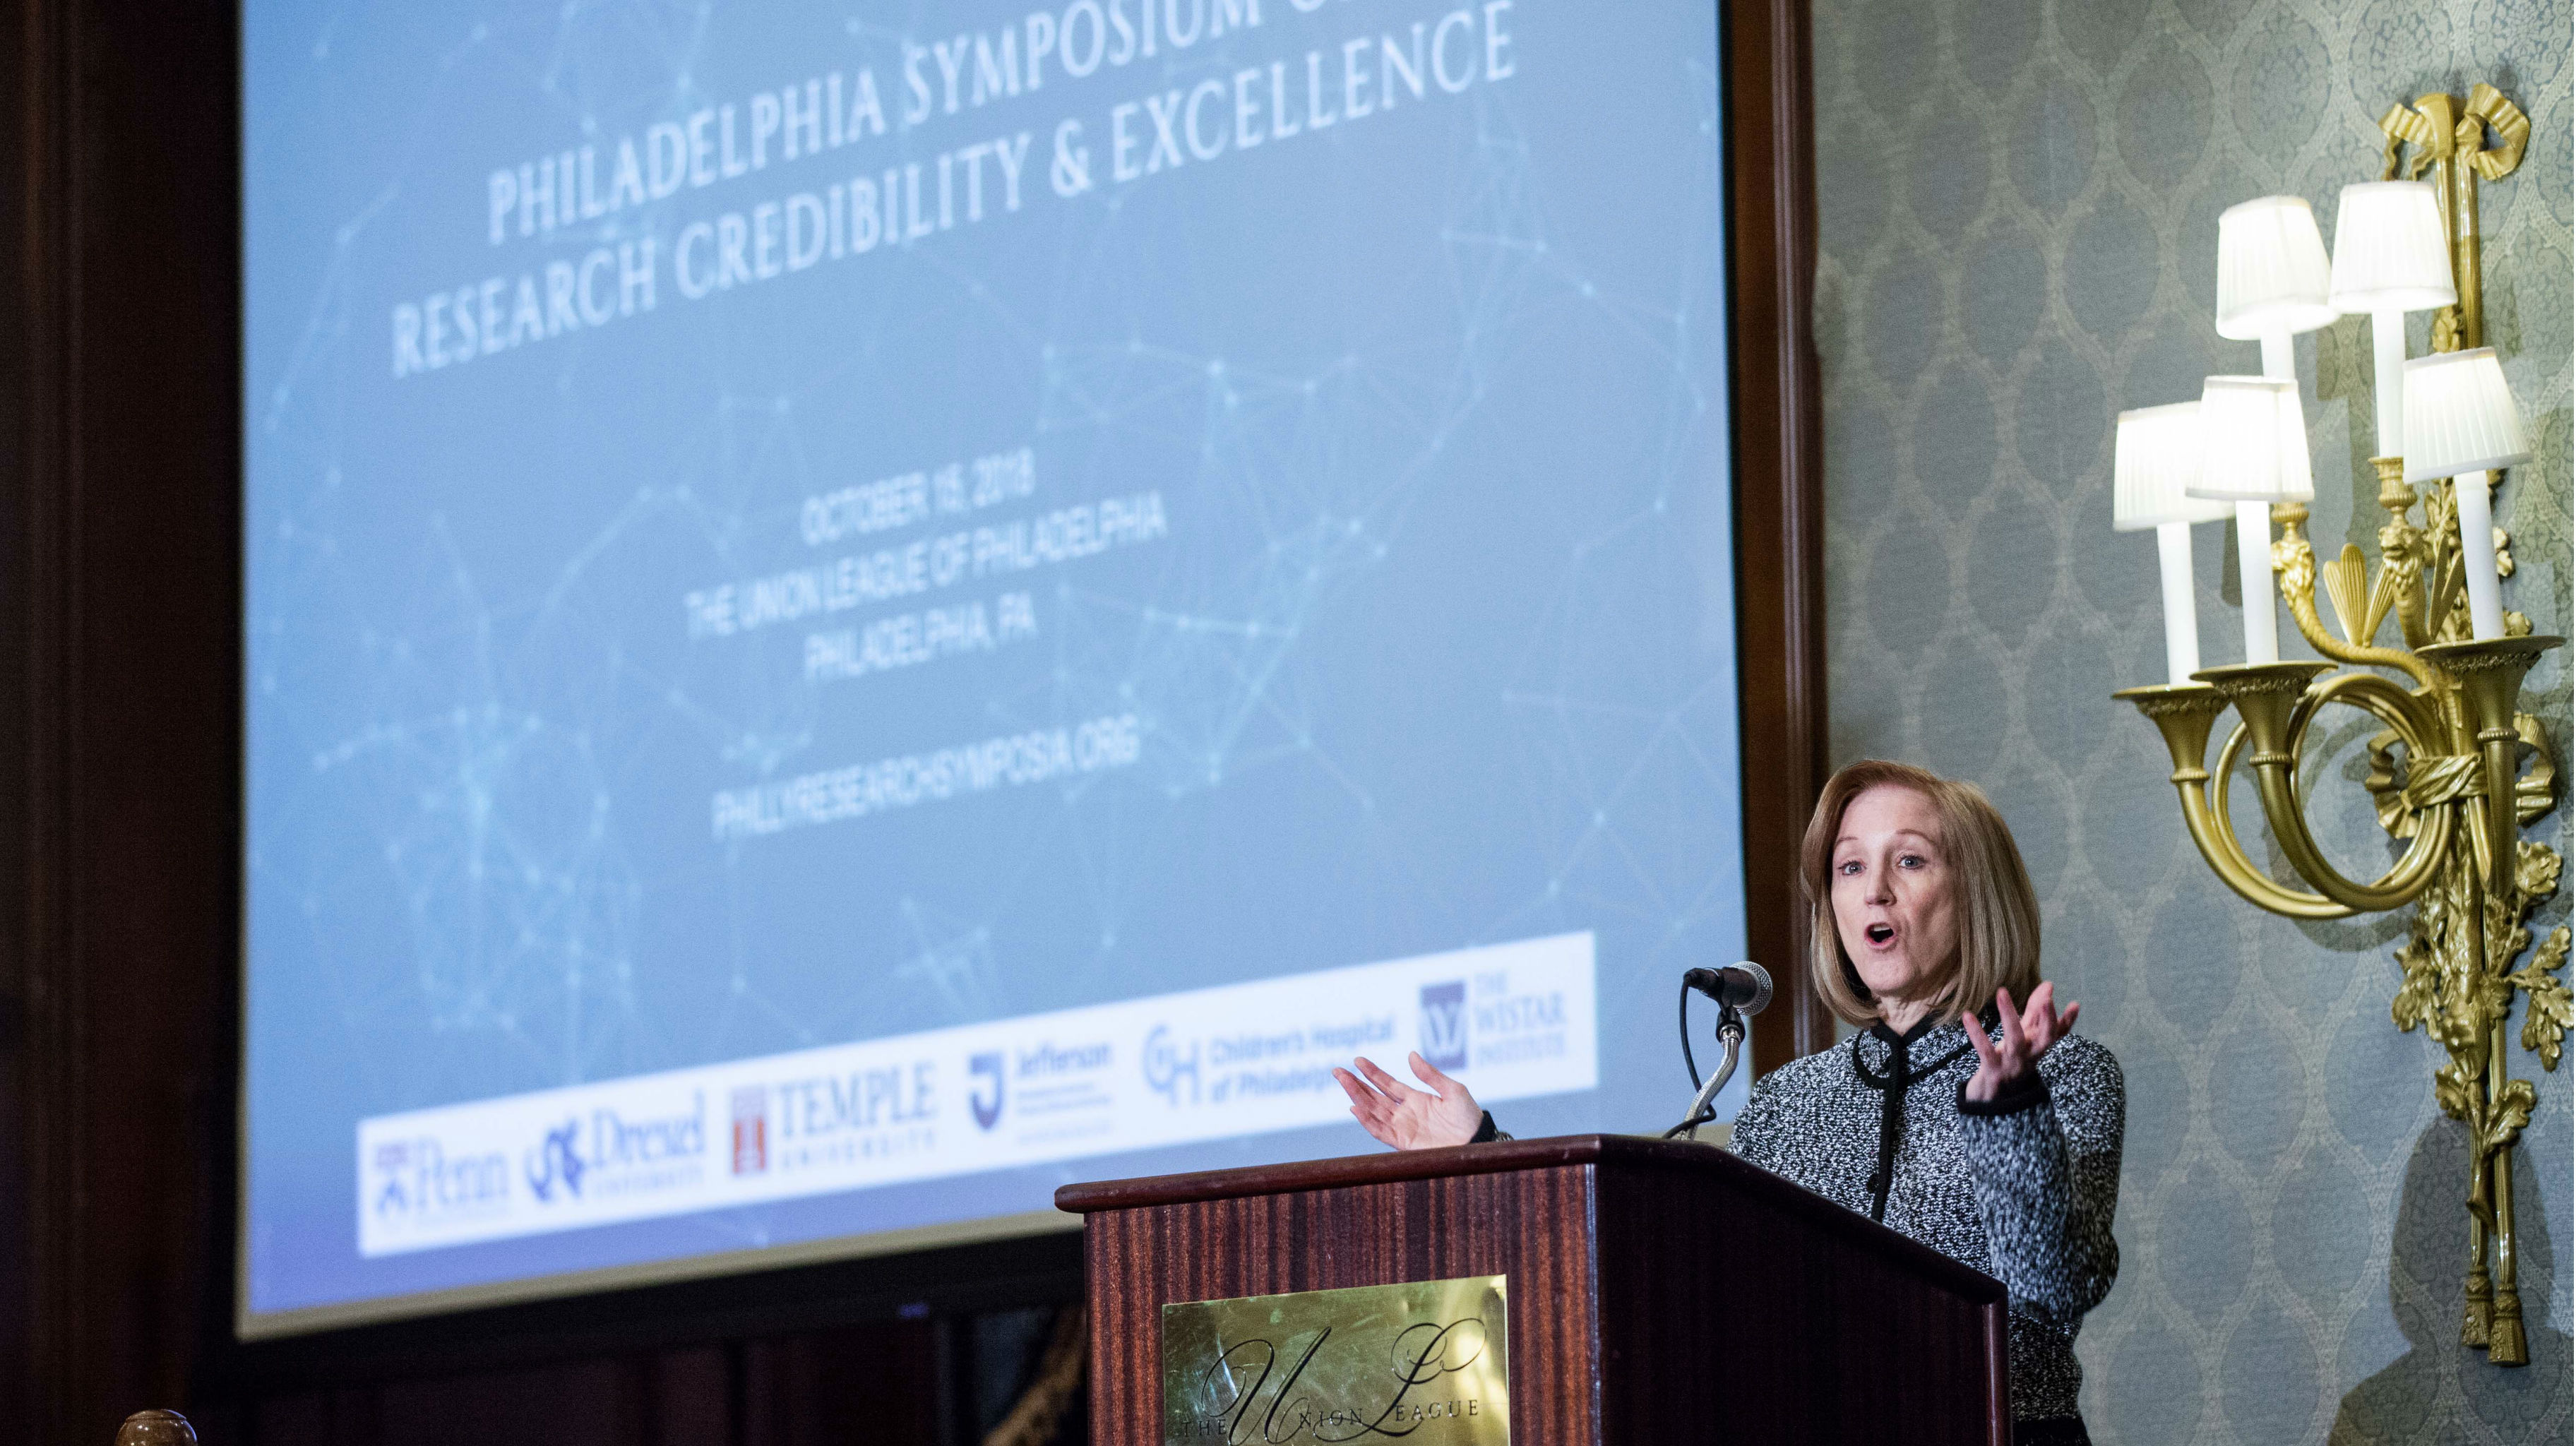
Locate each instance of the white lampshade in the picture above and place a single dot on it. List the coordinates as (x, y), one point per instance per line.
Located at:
(2460, 416)
(2272, 271)
(2155, 460)
(2389, 251)
(2254, 441)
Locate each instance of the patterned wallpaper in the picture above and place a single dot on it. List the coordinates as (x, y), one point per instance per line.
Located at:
(2019, 204)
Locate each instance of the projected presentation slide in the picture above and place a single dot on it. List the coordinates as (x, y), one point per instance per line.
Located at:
(858, 611)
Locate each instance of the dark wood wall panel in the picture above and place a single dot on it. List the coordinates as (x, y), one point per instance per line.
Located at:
(862, 1386)
(865, 1387)
(119, 597)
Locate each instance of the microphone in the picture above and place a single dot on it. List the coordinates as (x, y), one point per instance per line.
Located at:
(1740, 989)
(1745, 987)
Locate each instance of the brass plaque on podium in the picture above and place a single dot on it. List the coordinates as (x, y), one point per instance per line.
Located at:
(1426, 1361)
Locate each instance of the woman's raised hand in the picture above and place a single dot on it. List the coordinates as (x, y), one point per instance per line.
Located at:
(1405, 1117)
(2027, 1035)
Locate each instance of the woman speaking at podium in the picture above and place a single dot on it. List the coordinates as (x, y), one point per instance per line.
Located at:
(1964, 1114)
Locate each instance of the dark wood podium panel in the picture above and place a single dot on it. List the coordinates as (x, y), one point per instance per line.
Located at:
(1659, 1292)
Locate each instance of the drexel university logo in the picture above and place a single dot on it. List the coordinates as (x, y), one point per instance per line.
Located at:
(557, 1162)
(1444, 1024)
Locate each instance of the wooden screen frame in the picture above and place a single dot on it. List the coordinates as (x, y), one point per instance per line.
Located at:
(120, 706)
(120, 686)
(1778, 412)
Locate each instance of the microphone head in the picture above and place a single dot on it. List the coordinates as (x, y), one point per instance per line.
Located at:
(1761, 987)
(1744, 987)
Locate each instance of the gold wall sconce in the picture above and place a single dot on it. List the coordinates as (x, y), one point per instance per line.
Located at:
(2458, 770)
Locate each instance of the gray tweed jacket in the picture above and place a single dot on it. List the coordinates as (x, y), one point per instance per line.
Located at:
(2021, 1187)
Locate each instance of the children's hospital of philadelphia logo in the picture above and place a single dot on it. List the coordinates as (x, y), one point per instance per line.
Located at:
(1168, 1068)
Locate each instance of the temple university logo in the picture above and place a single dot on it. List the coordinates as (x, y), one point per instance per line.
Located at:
(988, 1108)
(751, 1129)
(1444, 1024)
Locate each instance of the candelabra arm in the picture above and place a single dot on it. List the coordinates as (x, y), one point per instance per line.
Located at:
(2362, 608)
(2277, 784)
(2489, 675)
(2183, 713)
(2277, 705)
(2303, 610)
(2216, 839)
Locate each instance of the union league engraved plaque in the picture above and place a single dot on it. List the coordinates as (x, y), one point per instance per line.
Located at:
(1426, 1361)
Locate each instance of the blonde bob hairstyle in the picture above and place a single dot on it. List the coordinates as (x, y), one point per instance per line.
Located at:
(1997, 914)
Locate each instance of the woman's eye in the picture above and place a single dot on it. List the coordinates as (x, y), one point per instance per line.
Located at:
(1911, 861)
(1847, 866)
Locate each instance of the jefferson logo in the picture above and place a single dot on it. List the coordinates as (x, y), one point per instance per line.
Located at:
(1444, 1024)
(988, 1110)
(751, 1129)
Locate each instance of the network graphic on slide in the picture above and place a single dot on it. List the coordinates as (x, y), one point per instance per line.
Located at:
(1195, 579)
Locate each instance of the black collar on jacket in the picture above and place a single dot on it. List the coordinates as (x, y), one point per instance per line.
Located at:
(1901, 1077)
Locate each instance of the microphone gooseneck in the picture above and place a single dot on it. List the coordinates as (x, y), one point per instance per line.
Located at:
(1739, 990)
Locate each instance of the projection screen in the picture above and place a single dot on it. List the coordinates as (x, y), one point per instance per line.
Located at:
(853, 613)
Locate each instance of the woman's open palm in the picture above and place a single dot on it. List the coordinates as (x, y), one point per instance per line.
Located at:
(2028, 1033)
(1408, 1118)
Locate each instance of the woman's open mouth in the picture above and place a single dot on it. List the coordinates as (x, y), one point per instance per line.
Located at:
(1880, 933)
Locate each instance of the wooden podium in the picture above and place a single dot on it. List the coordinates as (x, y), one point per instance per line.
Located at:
(1658, 1292)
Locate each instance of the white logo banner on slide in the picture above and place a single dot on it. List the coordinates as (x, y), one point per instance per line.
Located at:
(1512, 1020)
